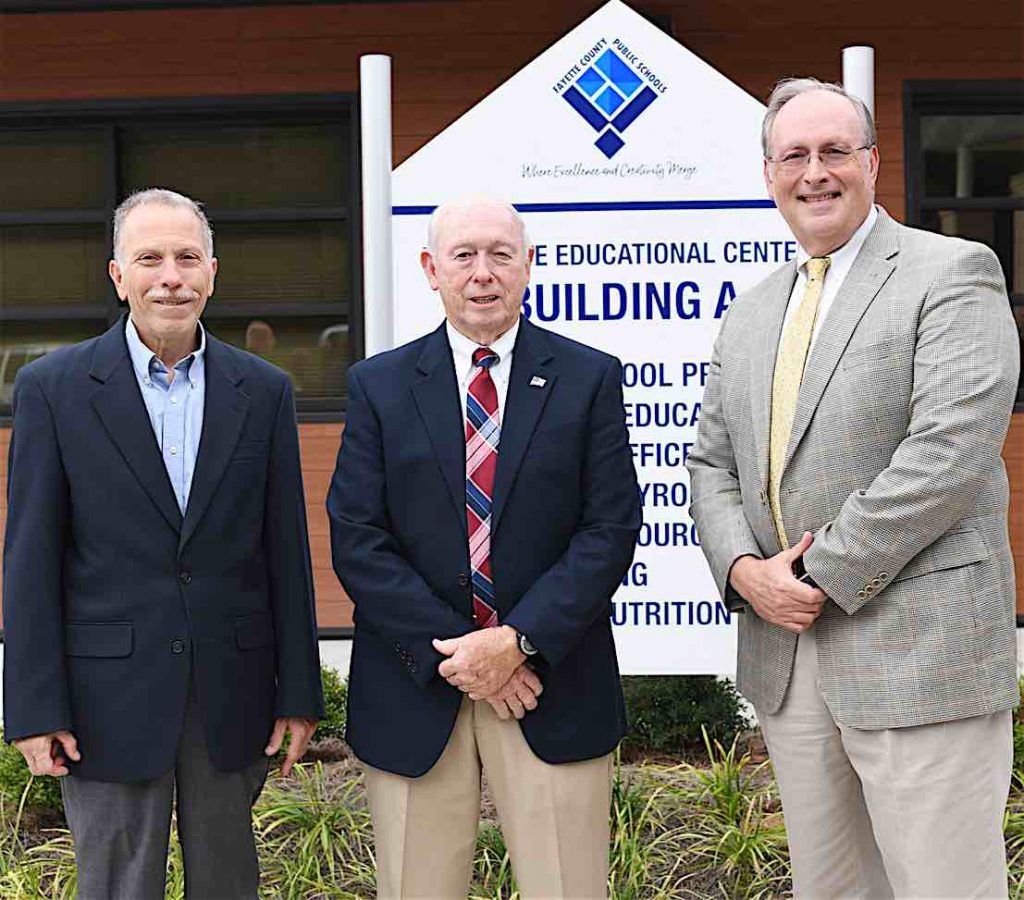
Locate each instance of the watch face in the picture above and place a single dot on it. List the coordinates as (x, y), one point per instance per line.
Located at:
(525, 646)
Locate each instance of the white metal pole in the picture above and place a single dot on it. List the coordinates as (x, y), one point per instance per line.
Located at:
(859, 74)
(375, 125)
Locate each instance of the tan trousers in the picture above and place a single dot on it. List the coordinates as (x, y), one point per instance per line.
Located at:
(555, 818)
(897, 812)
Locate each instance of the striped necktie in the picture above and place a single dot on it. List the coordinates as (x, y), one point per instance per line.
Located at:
(482, 433)
(789, 372)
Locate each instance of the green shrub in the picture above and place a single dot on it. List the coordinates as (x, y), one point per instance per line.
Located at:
(735, 825)
(14, 776)
(666, 713)
(335, 704)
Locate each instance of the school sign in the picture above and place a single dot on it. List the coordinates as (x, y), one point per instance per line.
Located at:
(637, 167)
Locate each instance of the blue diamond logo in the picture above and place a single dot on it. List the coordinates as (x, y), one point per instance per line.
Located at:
(609, 100)
(609, 96)
(609, 143)
(590, 82)
(618, 73)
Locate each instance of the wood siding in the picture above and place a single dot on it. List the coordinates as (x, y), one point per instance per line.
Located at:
(449, 55)
(319, 446)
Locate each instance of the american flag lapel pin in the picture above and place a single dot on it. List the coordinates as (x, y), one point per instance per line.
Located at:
(537, 381)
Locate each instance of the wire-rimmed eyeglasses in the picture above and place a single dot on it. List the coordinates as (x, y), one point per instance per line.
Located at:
(795, 161)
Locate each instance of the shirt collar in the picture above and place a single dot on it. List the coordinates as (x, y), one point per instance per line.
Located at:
(463, 347)
(850, 249)
(143, 358)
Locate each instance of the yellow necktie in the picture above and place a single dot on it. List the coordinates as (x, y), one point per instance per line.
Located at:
(789, 371)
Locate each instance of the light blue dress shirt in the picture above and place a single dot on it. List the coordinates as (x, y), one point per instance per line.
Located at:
(175, 407)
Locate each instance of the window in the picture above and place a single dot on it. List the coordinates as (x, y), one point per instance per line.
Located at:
(964, 150)
(279, 181)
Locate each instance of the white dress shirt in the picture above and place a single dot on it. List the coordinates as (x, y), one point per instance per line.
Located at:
(839, 268)
(462, 354)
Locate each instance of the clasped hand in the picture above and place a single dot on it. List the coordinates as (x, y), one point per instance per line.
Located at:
(774, 592)
(488, 665)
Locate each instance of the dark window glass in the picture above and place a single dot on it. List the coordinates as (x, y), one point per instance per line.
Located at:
(314, 351)
(276, 177)
(53, 264)
(52, 169)
(973, 156)
(24, 342)
(965, 170)
(283, 262)
(238, 167)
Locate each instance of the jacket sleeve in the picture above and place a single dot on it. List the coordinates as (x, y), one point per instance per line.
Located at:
(35, 672)
(966, 366)
(561, 605)
(716, 501)
(286, 545)
(391, 598)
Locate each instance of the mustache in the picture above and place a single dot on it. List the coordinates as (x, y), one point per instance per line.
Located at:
(182, 293)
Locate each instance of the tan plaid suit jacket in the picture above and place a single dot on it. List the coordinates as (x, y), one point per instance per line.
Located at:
(894, 465)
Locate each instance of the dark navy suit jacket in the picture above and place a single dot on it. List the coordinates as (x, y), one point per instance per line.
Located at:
(112, 598)
(565, 517)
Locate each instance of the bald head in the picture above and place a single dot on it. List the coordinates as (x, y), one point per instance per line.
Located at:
(471, 205)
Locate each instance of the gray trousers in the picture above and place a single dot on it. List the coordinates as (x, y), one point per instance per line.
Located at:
(121, 830)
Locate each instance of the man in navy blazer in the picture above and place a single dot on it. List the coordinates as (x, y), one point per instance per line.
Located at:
(534, 701)
(160, 635)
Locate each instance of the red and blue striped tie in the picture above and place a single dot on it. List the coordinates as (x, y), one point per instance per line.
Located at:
(482, 433)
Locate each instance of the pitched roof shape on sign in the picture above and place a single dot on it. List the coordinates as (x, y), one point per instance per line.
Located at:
(614, 110)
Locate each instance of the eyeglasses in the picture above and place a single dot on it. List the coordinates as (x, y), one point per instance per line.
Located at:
(831, 158)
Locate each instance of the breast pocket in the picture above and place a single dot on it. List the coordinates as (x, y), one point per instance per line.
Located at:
(250, 451)
(873, 354)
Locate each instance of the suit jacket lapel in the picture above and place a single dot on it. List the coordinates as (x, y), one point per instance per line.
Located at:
(224, 413)
(436, 393)
(119, 404)
(762, 366)
(871, 269)
(523, 406)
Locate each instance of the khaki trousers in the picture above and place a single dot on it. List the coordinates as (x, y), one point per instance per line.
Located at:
(895, 812)
(554, 818)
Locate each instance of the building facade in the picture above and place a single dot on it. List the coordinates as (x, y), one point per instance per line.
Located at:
(253, 108)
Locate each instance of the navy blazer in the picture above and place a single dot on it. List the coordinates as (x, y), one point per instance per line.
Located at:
(564, 522)
(112, 598)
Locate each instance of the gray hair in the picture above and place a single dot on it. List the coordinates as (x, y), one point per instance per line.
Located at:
(788, 88)
(439, 212)
(161, 197)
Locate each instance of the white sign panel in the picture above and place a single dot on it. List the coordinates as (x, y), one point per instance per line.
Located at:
(638, 170)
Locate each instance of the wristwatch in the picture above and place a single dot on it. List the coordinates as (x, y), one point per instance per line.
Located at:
(525, 647)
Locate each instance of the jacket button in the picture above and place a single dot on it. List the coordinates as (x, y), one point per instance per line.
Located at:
(186, 576)
(883, 576)
(861, 595)
(177, 646)
(463, 579)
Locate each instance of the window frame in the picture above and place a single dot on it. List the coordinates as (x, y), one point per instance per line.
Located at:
(279, 109)
(955, 98)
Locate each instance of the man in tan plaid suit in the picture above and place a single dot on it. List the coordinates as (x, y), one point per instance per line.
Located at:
(852, 503)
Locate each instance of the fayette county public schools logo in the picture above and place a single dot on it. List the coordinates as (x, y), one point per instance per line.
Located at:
(609, 88)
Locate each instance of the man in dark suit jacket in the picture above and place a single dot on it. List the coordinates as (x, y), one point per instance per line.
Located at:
(160, 634)
(533, 543)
